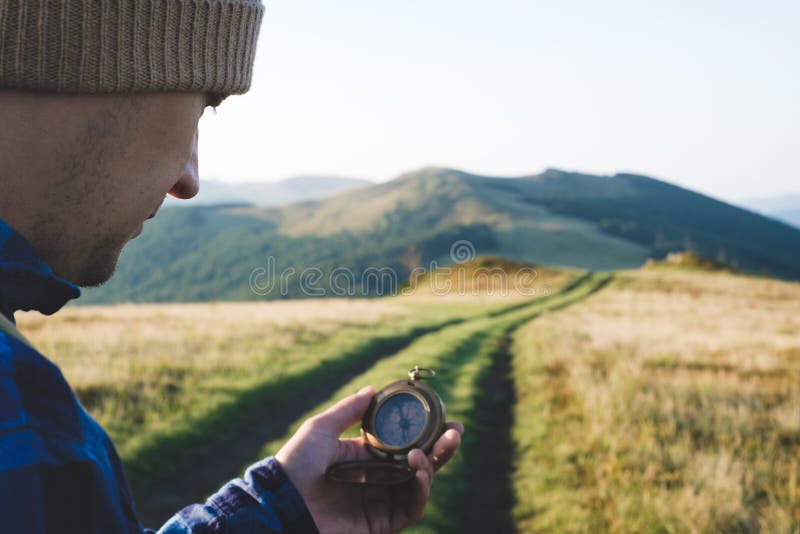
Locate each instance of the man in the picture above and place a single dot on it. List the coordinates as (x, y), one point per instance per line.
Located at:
(99, 107)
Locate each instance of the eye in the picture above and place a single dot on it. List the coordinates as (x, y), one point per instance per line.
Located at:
(214, 99)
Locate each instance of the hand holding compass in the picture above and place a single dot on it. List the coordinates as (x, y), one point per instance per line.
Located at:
(338, 507)
(403, 416)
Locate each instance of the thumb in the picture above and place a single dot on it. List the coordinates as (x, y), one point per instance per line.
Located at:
(345, 413)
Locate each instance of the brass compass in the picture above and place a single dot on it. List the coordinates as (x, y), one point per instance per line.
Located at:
(402, 416)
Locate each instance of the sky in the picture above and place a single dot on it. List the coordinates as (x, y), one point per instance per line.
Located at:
(700, 93)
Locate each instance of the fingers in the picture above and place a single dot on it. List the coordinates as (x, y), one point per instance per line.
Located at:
(420, 496)
(447, 445)
(455, 425)
(421, 489)
(419, 462)
(344, 413)
(351, 449)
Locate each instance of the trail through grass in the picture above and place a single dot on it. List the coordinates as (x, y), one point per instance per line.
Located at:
(228, 437)
(463, 356)
(474, 493)
(171, 383)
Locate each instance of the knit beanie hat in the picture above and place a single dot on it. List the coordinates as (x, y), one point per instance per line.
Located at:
(125, 46)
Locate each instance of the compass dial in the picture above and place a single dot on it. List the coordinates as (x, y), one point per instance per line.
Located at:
(400, 420)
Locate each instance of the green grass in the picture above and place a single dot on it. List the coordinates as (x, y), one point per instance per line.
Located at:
(460, 354)
(224, 405)
(641, 409)
(163, 395)
(468, 402)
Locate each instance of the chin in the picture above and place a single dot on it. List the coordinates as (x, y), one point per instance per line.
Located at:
(96, 276)
(99, 266)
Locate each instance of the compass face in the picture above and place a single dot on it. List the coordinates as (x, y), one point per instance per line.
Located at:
(400, 420)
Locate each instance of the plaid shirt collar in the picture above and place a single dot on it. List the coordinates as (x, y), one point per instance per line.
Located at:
(26, 282)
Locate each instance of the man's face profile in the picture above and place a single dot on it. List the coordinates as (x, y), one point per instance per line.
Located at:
(92, 169)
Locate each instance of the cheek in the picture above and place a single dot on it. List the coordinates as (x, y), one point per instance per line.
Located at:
(165, 154)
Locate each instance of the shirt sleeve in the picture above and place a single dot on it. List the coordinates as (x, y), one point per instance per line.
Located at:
(264, 501)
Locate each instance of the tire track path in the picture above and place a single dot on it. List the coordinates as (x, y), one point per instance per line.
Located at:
(259, 416)
(481, 496)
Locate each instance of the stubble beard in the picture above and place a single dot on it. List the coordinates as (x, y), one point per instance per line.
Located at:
(100, 263)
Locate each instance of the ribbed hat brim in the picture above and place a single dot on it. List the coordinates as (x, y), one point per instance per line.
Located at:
(112, 46)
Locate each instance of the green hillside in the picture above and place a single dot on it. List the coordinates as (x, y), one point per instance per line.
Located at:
(553, 218)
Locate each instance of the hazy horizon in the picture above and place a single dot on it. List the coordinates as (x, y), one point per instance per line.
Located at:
(789, 194)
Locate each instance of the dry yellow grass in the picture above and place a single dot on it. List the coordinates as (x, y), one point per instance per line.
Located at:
(146, 370)
(670, 402)
(117, 344)
(667, 402)
(488, 279)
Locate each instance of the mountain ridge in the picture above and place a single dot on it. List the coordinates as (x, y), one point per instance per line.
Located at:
(785, 208)
(551, 218)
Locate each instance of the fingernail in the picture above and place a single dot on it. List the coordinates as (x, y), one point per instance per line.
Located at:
(364, 390)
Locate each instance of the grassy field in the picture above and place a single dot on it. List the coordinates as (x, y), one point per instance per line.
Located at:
(646, 401)
(170, 381)
(670, 402)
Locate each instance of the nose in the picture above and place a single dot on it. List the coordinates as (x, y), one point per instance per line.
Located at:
(188, 184)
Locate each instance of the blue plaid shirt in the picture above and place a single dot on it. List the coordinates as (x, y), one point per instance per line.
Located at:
(60, 472)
